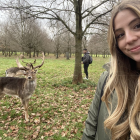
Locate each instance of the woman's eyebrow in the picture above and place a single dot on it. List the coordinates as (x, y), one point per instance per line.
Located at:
(135, 19)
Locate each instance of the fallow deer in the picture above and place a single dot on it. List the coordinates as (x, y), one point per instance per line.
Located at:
(21, 87)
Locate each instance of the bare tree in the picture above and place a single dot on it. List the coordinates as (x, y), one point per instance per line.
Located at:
(46, 44)
(29, 39)
(6, 40)
(57, 45)
(68, 44)
(98, 44)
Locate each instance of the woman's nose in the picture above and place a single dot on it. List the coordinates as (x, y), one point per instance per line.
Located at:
(130, 37)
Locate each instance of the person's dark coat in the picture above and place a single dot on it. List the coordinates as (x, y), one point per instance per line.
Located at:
(86, 58)
(94, 126)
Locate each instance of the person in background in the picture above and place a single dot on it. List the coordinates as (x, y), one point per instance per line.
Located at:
(85, 62)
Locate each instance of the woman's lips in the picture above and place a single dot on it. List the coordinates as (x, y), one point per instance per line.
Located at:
(135, 49)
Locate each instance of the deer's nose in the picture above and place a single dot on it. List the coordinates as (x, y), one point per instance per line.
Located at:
(29, 77)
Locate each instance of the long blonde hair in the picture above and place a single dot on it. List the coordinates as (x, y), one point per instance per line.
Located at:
(124, 121)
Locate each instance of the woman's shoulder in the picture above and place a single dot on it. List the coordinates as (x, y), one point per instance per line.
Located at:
(104, 75)
(107, 66)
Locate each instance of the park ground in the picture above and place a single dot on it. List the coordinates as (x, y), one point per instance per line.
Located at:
(57, 109)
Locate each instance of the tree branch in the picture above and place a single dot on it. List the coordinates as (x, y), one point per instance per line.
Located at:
(89, 12)
(88, 25)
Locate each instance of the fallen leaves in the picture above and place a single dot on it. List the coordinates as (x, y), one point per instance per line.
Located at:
(55, 111)
(5, 135)
(36, 133)
(37, 120)
(49, 133)
(63, 134)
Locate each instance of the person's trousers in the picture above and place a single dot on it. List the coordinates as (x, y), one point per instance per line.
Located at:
(86, 70)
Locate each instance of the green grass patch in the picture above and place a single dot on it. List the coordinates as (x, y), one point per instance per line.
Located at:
(57, 109)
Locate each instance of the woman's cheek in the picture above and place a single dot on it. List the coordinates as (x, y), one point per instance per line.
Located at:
(121, 45)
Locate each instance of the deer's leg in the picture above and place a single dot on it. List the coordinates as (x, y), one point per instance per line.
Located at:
(25, 105)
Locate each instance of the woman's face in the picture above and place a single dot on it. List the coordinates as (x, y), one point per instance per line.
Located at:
(127, 33)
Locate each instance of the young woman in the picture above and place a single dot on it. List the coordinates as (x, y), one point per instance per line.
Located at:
(118, 117)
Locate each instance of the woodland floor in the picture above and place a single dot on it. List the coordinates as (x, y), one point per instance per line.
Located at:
(57, 109)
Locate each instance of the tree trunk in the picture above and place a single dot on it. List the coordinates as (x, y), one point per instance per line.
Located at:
(45, 53)
(2, 52)
(103, 54)
(70, 52)
(9, 53)
(96, 54)
(5, 53)
(57, 55)
(34, 53)
(30, 54)
(77, 78)
(67, 55)
(37, 53)
(15, 53)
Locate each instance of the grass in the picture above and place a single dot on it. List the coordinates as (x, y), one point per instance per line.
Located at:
(57, 109)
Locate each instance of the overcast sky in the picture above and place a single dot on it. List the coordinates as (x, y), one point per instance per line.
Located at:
(4, 15)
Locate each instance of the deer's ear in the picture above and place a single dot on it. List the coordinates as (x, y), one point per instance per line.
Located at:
(35, 71)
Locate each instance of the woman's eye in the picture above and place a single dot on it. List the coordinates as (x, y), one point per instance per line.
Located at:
(120, 36)
(137, 26)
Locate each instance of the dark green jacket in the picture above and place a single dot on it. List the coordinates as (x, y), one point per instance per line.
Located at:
(94, 126)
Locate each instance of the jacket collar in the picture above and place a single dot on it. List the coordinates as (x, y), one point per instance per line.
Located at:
(107, 66)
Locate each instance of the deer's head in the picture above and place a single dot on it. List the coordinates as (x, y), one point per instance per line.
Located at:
(30, 70)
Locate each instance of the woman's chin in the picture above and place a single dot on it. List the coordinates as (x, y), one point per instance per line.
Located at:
(137, 59)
